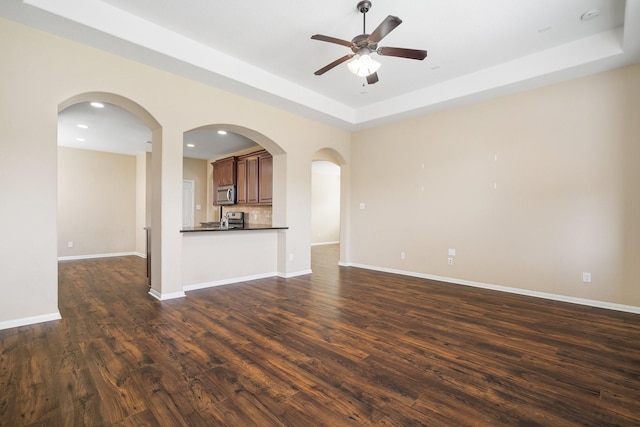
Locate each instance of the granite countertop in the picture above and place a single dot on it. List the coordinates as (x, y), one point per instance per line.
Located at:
(216, 227)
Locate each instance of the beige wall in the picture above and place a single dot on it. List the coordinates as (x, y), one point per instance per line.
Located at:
(40, 72)
(96, 202)
(196, 170)
(532, 190)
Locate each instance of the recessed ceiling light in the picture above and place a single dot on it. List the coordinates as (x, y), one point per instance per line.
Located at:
(191, 145)
(590, 14)
(80, 139)
(97, 104)
(83, 126)
(222, 132)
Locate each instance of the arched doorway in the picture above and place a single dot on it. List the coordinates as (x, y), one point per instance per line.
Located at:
(328, 213)
(104, 192)
(325, 203)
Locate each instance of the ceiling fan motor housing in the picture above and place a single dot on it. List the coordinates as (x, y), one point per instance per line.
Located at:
(362, 42)
(364, 6)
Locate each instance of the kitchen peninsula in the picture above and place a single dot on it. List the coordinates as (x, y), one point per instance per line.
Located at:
(237, 242)
(212, 256)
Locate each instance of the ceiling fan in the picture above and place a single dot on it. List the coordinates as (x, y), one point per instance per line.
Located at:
(365, 44)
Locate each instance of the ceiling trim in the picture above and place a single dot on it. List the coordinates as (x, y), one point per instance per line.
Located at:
(113, 28)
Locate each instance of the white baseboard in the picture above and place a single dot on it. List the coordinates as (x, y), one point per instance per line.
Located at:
(164, 297)
(231, 281)
(325, 243)
(294, 274)
(140, 254)
(526, 292)
(7, 324)
(76, 257)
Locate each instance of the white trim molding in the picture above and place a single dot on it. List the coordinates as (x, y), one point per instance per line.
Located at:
(526, 292)
(223, 282)
(90, 256)
(233, 280)
(325, 243)
(7, 324)
(164, 297)
(294, 274)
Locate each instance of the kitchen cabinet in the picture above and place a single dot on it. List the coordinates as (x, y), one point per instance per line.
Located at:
(224, 173)
(265, 179)
(255, 178)
(241, 181)
(252, 180)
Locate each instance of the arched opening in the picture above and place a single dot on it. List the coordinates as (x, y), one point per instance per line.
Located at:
(325, 203)
(207, 144)
(104, 177)
(327, 207)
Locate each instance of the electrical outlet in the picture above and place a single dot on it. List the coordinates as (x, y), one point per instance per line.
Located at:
(586, 277)
(403, 255)
(290, 257)
(69, 244)
(450, 261)
(361, 205)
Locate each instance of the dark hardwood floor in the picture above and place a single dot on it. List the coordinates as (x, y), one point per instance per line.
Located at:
(343, 346)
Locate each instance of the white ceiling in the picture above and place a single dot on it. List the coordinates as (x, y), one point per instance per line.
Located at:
(262, 50)
(115, 130)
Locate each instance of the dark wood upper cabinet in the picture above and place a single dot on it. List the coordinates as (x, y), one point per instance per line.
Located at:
(252, 180)
(255, 178)
(224, 173)
(241, 181)
(227, 171)
(265, 179)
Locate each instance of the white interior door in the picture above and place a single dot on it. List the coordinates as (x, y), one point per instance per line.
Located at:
(188, 210)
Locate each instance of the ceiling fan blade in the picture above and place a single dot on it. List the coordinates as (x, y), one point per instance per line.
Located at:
(372, 78)
(402, 53)
(331, 40)
(334, 64)
(385, 27)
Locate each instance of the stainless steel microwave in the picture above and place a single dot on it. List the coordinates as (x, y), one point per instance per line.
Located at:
(226, 195)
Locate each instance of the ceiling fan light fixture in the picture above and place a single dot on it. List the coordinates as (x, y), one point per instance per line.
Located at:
(363, 65)
(365, 44)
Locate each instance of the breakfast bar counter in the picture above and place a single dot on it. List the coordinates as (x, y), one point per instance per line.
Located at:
(216, 227)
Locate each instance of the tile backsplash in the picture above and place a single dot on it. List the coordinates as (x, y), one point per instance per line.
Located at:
(254, 214)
